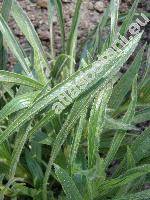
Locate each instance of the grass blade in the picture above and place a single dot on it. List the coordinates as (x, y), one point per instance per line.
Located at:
(31, 35)
(129, 18)
(76, 141)
(119, 136)
(17, 103)
(122, 180)
(96, 123)
(19, 144)
(10, 77)
(140, 149)
(71, 43)
(51, 5)
(130, 158)
(114, 9)
(124, 84)
(13, 44)
(67, 184)
(59, 8)
(117, 124)
(5, 11)
(77, 111)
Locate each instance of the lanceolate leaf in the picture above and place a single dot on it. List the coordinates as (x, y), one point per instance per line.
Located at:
(124, 84)
(20, 142)
(14, 45)
(130, 159)
(146, 77)
(128, 177)
(71, 44)
(5, 11)
(17, 103)
(10, 77)
(130, 164)
(6, 7)
(77, 111)
(67, 183)
(51, 4)
(144, 94)
(107, 70)
(34, 168)
(58, 4)
(96, 123)
(114, 9)
(119, 136)
(28, 29)
(127, 22)
(117, 124)
(140, 149)
(76, 141)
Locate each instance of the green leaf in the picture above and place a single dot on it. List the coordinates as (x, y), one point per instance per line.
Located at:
(108, 70)
(114, 9)
(51, 4)
(96, 123)
(128, 20)
(47, 117)
(19, 145)
(60, 63)
(124, 84)
(71, 43)
(34, 168)
(5, 11)
(146, 76)
(77, 110)
(14, 45)
(59, 8)
(17, 103)
(28, 29)
(76, 141)
(130, 164)
(140, 149)
(99, 32)
(144, 94)
(122, 180)
(68, 184)
(20, 189)
(10, 77)
(130, 158)
(119, 136)
(6, 7)
(117, 124)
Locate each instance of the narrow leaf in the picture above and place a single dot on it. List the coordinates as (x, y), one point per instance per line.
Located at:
(28, 29)
(14, 45)
(96, 123)
(119, 136)
(10, 77)
(67, 184)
